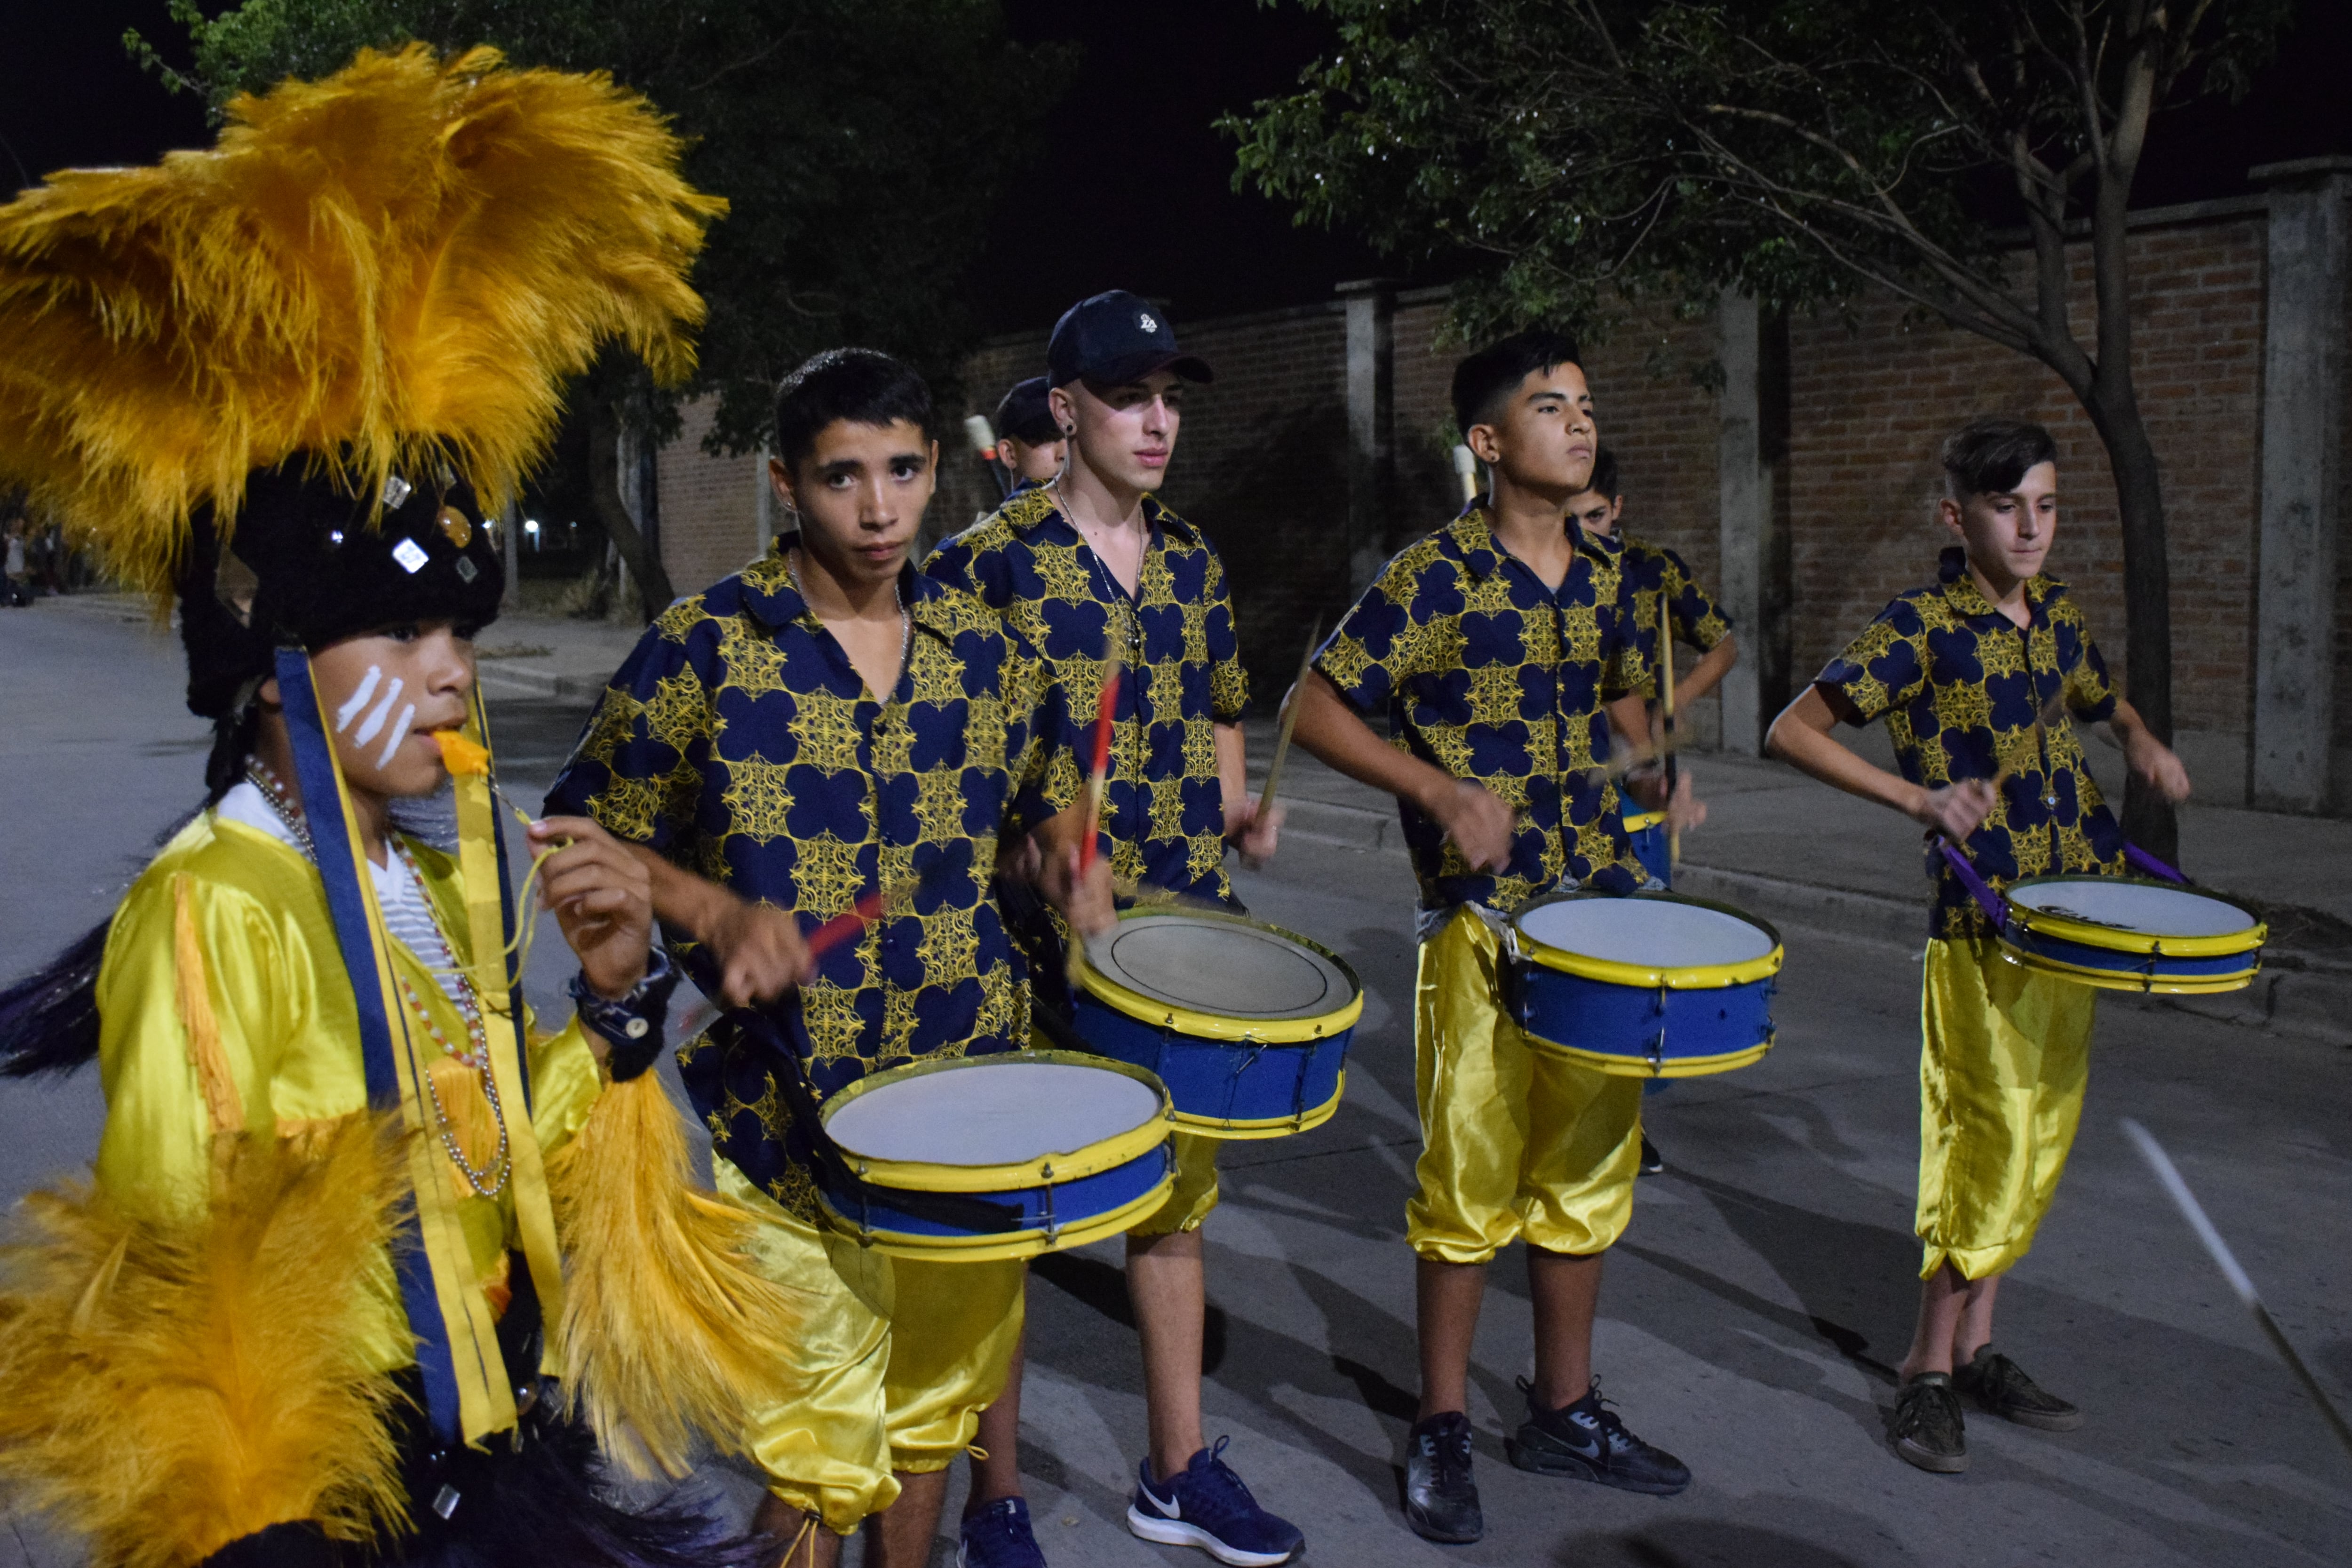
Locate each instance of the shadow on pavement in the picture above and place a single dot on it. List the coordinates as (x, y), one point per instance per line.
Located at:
(1718, 1544)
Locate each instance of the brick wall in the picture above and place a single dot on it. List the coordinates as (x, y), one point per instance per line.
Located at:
(1262, 462)
(709, 507)
(1873, 394)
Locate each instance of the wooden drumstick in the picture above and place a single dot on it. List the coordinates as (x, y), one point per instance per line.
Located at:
(2168, 1176)
(1465, 468)
(1290, 721)
(1666, 743)
(869, 907)
(1106, 707)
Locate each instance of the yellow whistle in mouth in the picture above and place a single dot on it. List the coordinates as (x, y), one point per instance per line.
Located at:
(460, 755)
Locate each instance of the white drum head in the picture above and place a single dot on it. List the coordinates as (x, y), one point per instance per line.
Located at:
(1225, 967)
(2139, 907)
(999, 1109)
(1650, 933)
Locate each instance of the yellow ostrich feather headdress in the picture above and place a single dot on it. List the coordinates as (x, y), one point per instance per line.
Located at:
(397, 266)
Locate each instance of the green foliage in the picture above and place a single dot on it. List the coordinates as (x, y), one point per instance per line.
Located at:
(862, 143)
(1571, 154)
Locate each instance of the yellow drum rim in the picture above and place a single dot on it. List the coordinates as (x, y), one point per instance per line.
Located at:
(1641, 820)
(1609, 972)
(1268, 1127)
(1211, 1025)
(928, 1176)
(1005, 1246)
(2131, 980)
(1674, 1066)
(2107, 939)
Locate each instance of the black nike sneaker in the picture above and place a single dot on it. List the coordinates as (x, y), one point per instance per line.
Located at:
(1440, 1500)
(1586, 1440)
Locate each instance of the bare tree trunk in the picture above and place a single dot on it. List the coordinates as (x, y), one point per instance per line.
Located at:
(605, 481)
(2148, 818)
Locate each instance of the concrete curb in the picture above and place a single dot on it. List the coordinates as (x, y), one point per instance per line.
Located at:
(2307, 995)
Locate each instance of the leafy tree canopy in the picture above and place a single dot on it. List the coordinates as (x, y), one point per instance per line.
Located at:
(1567, 155)
(862, 143)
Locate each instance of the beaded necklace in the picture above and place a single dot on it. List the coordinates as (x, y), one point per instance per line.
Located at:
(490, 1180)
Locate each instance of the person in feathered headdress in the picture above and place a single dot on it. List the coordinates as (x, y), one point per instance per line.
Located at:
(369, 1265)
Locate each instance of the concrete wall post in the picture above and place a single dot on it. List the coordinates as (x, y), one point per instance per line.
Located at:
(1751, 533)
(1371, 404)
(2304, 365)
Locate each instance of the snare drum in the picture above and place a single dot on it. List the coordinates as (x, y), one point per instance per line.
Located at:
(2126, 933)
(1005, 1155)
(1654, 985)
(1246, 1024)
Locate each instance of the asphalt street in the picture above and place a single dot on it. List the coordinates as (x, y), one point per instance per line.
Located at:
(1750, 1316)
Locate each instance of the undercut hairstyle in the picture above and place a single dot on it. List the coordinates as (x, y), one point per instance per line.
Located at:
(1484, 381)
(864, 386)
(1605, 474)
(1990, 456)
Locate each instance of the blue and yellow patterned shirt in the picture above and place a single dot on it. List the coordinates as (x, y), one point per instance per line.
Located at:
(740, 743)
(1655, 575)
(1489, 675)
(1164, 811)
(1961, 687)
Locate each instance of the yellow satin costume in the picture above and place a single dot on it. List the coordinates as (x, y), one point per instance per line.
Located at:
(1518, 1143)
(229, 930)
(2004, 1059)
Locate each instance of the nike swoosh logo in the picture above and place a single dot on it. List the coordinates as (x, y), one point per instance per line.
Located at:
(1173, 1508)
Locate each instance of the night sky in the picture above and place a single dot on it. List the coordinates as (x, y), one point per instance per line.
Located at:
(1131, 148)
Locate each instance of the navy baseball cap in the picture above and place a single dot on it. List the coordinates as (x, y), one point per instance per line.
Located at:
(1024, 414)
(1115, 338)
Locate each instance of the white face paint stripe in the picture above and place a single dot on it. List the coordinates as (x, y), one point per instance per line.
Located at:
(399, 733)
(350, 711)
(369, 731)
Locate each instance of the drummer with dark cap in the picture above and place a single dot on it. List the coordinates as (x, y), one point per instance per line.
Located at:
(1094, 571)
(1029, 445)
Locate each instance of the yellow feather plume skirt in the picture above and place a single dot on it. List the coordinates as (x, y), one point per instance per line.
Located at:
(168, 1386)
(668, 1328)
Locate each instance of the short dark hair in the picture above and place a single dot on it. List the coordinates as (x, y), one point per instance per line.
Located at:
(1988, 455)
(1483, 381)
(865, 386)
(1605, 474)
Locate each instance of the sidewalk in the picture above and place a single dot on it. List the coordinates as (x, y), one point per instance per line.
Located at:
(1793, 852)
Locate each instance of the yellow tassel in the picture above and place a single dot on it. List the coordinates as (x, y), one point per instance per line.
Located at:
(667, 1327)
(170, 1384)
(196, 1001)
(466, 1110)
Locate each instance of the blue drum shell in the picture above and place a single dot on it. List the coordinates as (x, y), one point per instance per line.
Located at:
(1063, 1207)
(1639, 1030)
(1220, 1086)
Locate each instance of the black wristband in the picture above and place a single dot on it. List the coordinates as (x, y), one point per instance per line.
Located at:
(632, 1024)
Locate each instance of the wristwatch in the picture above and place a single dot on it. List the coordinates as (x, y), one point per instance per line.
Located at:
(632, 1024)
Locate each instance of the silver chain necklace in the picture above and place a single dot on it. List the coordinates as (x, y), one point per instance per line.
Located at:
(281, 803)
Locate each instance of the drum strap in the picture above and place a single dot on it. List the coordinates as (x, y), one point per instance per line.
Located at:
(2147, 862)
(1995, 907)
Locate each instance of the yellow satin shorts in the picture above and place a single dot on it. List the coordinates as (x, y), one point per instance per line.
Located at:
(2005, 1053)
(1517, 1141)
(896, 1359)
(1194, 1193)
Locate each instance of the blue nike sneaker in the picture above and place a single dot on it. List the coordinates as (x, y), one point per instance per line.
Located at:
(1205, 1505)
(998, 1536)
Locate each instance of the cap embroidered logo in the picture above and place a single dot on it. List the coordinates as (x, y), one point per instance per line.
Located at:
(1146, 322)
(410, 554)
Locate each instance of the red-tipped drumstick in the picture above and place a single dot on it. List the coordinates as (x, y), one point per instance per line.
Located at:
(1105, 707)
(843, 926)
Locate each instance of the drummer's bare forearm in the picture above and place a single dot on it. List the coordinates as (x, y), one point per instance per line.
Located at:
(1335, 734)
(682, 901)
(2147, 755)
(1708, 673)
(1801, 736)
(1233, 769)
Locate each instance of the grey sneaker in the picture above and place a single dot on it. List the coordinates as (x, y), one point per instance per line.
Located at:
(2000, 1386)
(1440, 1500)
(1586, 1440)
(1928, 1431)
